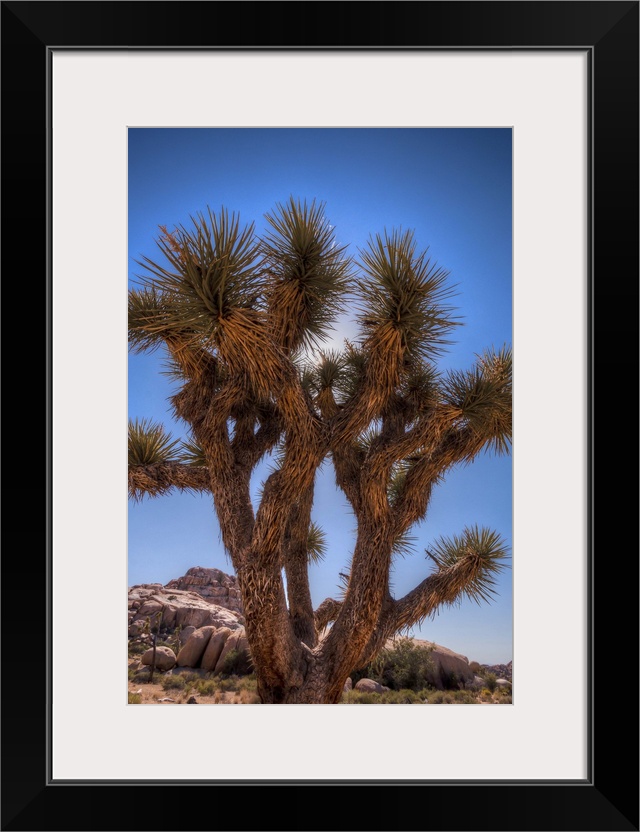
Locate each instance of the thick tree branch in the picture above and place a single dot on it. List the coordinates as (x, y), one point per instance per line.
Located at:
(249, 446)
(155, 480)
(368, 581)
(381, 377)
(454, 446)
(296, 564)
(326, 613)
(443, 587)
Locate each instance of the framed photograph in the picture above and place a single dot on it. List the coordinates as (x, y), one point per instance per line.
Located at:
(561, 81)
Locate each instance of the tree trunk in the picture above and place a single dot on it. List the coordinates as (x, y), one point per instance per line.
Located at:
(312, 683)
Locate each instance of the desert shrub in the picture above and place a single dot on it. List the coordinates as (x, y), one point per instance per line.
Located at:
(140, 676)
(405, 666)
(464, 697)
(137, 648)
(173, 682)
(436, 697)
(248, 697)
(206, 687)
(358, 697)
(231, 683)
(249, 683)
(235, 664)
(401, 697)
(135, 699)
(490, 681)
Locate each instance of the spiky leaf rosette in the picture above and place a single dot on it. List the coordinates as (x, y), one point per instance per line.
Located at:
(353, 372)
(470, 563)
(481, 399)
(150, 444)
(404, 292)
(421, 388)
(154, 463)
(398, 478)
(404, 544)
(324, 379)
(151, 319)
(316, 543)
(307, 273)
(209, 273)
(192, 454)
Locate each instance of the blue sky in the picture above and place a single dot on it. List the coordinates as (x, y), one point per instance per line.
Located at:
(453, 187)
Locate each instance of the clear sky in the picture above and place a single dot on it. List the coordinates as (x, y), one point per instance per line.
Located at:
(453, 188)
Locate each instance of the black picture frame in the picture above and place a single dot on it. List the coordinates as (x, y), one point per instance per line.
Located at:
(608, 798)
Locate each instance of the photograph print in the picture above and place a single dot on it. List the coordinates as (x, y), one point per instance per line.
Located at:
(320, 414)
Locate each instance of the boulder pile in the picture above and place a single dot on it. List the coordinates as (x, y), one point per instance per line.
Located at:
(207, 648)
(173, 608)
(212, 584)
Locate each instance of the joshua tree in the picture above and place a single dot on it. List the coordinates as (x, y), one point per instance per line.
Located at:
(242, 319)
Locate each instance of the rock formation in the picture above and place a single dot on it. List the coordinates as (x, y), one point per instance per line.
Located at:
(370, 686)
(206, 605)
(191, 654)
(208, 648)
(176, 607)
(213, 585)
(165, 658)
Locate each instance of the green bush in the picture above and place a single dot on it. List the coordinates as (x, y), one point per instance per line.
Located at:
(358, 697)
(236, 663)
(401, 697)
(230, 683)
(207, 687)
(464, 697)
(248, 683)
(389, 697)
(405, 666)
(135, 699)
(174, 682)
(490, 681)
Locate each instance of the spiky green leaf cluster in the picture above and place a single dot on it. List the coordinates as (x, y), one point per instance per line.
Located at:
(397, 480)
(308, 272)
(210, 269)
(404, 544)
(316, 543)
(150, 444)
(404, 289)
(191, 453)
(484, 548)
(366, 439)
(354, 363)
(421, 387)
(151, 319)
(483, 395)
(325, 373)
